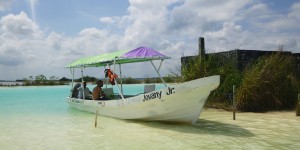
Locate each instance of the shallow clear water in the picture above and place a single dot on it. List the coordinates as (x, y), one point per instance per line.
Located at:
(39, 118)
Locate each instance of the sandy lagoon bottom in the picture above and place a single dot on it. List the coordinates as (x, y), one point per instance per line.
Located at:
(215, 130)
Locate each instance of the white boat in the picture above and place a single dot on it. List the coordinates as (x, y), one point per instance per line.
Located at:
(182, 102)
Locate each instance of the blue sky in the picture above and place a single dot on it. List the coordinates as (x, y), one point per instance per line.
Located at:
(41, 36)
(68, 16)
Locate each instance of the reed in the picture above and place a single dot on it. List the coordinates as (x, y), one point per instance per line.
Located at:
(191, 70)
(266, 84)
(195, 68)
(229, 76)
(222, 96)
(269, 84)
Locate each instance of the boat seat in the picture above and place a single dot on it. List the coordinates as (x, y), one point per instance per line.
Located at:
(108, 91)
(149, 88)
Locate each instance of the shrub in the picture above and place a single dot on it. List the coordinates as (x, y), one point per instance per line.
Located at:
(130, 80)
(269, 84)
(212, 66)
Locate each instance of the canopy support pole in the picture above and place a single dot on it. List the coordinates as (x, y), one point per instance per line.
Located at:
(121, 79)
(160, 64)
(83, 93)
(72, 72)
(120, 93)
(104, 77)
(157, 71)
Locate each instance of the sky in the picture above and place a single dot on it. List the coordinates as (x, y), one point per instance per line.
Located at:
(43, 36)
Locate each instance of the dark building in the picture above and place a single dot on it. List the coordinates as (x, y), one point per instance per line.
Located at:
(240, 57)
(297, 63)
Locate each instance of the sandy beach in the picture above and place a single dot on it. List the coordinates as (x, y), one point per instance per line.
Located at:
(39, 118)
(277, 129)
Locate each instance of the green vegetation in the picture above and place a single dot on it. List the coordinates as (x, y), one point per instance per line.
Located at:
(219, 98)
(267, 84)
(87, 79)
(41, 80)
(130, 80)
(167, 79)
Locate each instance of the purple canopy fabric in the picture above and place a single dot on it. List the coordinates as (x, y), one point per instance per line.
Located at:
(143, 52)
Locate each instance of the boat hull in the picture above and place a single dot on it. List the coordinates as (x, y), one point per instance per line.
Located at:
(177, 103)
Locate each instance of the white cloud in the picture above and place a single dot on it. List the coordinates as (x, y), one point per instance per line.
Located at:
(229, 37)
(23, 49)
(93, 33)
(295, 11)
(262, 18)
(19, 26)
(19, 36)
(97, 41)
(147, 21)
(109, 20)
(195, 17)
(55, 40)
(171, 26)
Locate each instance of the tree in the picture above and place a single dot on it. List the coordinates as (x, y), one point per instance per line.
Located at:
(30, 78)
(40, 79)
(26, 82)
(87, 79)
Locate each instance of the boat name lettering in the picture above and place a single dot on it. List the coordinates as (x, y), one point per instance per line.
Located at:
(152, 96)
(171, 91)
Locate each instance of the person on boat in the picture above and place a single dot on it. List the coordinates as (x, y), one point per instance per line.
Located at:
(98, 94)
(75, 90)
(109, 74)
(86, 90)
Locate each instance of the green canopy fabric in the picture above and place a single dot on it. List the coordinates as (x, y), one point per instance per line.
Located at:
(104, 59)
(96, 61)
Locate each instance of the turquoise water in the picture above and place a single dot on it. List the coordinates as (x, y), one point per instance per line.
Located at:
(39, 118)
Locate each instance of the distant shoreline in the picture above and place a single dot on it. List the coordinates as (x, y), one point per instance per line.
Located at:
(18, 83)
(58, 83)
(11, 83)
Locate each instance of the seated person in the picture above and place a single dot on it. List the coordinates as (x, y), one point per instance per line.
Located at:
(75, 90)
(97, 91)
(86, 90)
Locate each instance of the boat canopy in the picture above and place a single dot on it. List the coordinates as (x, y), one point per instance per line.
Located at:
(120, 57)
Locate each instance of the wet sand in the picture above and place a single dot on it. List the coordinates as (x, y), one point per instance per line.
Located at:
(216, 129)
(276, 130)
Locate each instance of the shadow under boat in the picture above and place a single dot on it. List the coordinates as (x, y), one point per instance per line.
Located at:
(202, 126)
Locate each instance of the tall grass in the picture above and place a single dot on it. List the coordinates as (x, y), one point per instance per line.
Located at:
(211, 66)
(191, 70)
(266, 84)
(195, 68)
(269, 84)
